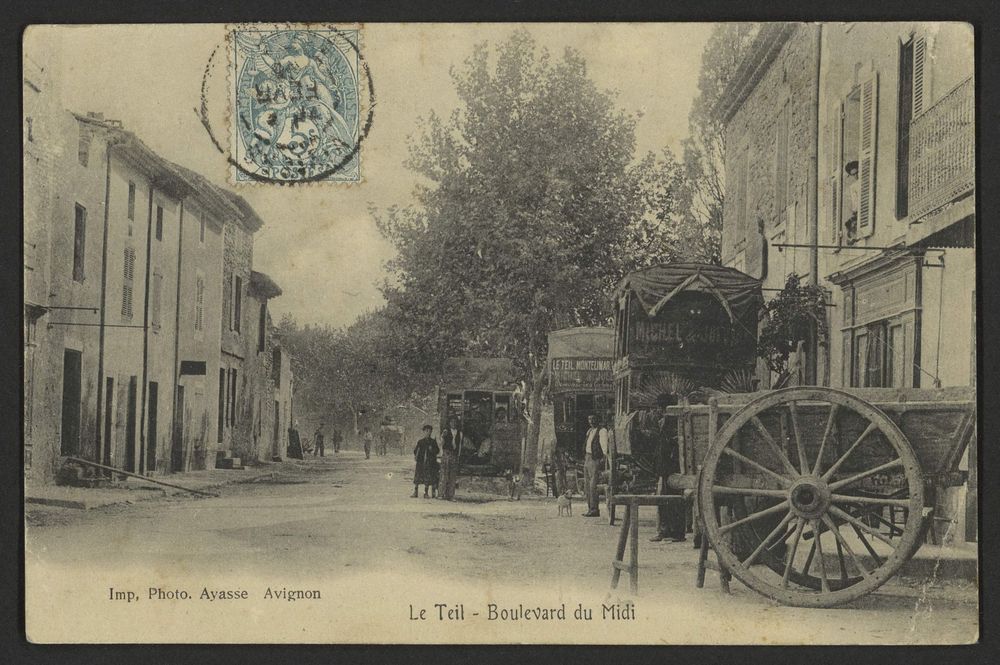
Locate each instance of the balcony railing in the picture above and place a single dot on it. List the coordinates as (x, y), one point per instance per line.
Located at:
(943, 151)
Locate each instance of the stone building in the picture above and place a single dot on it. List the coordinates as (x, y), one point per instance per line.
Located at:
(769, 111)
(134, 266)
(234, 418)
(853, 144)
(810, 104)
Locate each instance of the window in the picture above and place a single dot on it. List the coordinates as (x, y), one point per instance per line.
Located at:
(128, 276)
(131, 200)
(199, 304)
(156, 295)
(201, 231)
(781, 164)
(222, 403)
(232, 409)
(83, 150)
(854, 140)
(237, 303)
(79, 241)
(159, 222)
(913, 88)
(262, 328)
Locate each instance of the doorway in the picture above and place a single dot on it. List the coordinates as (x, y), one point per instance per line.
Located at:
(177, 444)
(70, 435)
(154, 390)
(109, 401)
(130, 424)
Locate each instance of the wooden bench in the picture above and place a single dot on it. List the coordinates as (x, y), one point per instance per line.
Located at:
(629, 534)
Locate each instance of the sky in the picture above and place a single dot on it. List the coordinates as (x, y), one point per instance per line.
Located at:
(319, 241)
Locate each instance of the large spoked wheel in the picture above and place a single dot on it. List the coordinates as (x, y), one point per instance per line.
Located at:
(823, 493)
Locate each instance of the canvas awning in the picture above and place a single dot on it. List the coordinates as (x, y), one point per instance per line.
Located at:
(656, 286)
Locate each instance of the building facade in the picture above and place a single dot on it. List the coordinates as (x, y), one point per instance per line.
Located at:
(127, 299)
(850, 163)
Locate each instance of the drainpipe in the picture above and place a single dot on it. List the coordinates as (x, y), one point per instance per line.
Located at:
(141, 462)
(813, 191)
(103, 453)
(177, 340)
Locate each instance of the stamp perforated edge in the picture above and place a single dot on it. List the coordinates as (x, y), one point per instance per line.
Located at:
(365, 93)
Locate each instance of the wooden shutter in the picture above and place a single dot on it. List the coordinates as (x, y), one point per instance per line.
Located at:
(837, 172)
(920, 78)
(199, 305)
(868, 140)
(128, 274)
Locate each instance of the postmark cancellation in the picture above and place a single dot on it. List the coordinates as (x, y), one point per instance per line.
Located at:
(295, 106)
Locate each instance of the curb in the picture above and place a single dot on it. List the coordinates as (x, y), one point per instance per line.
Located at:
(147, 494)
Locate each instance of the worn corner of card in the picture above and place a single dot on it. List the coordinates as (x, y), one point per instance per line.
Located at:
(300, 104)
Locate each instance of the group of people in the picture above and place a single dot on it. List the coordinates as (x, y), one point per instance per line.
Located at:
(297, 450)
(319, 441)
(429, 471)
(671, 517)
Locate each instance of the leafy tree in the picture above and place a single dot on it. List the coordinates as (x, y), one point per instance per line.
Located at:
(704, 150)
(532, 208)
(340, 372)
(790, 319)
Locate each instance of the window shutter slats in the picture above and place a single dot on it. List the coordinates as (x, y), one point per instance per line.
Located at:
(919, 75)
(128, 274)
(866, 164)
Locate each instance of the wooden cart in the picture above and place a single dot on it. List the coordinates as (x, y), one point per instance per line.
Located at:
(814, 496)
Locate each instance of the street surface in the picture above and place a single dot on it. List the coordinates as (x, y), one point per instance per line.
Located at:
(346, 527)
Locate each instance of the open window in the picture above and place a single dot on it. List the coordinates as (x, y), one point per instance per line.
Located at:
(853, 146)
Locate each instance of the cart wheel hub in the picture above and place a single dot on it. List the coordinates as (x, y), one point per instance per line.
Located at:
(809, 497)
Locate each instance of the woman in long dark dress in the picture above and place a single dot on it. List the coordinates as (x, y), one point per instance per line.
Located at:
(426, 473)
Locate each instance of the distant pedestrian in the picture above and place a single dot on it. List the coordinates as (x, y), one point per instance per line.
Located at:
(294, 442)
(368, 438)
(318, 448)
(382, 434)
(338, 437)
(451, 441)
(426, 472)
(594, 463)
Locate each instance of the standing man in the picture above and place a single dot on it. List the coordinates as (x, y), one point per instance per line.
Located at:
(451, 440)
(594, 462)
(369, 437)
(671, 518)
(318, 441)
(337, 438)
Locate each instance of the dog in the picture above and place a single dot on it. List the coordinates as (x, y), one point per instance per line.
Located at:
(565, 503)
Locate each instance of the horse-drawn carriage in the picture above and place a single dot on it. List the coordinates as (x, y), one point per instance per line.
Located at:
(809, 495)
(482, 394)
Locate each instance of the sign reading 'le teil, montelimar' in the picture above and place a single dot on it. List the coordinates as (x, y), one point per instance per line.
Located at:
(581, 374)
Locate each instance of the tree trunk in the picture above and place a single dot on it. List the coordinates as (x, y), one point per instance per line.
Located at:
(530, 460)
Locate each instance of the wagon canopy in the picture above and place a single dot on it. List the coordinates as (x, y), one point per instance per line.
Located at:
(654, 287)
(468, 373)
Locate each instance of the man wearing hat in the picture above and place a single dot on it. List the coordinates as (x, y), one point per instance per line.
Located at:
(671, 517)
(594, 462)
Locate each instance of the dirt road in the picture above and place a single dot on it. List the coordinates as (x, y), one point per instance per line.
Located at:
(345, 528)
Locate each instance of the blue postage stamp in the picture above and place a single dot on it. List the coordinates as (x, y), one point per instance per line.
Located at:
(296, 105)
